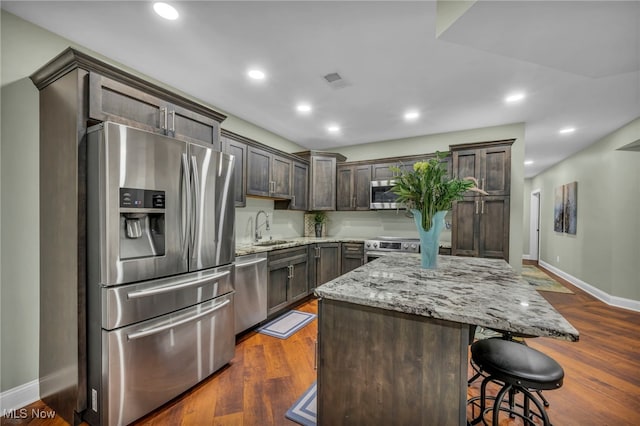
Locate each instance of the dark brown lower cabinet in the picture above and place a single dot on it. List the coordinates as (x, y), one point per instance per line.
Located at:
(481, 227)
(384, 367)
(352, 256)
(288, 278)
(327, 256)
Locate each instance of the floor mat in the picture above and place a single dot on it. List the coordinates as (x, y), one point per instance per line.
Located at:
(304, 410)
(541, 281)
(287, 324)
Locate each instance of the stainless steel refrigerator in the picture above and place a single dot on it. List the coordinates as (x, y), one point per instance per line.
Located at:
(161, 246)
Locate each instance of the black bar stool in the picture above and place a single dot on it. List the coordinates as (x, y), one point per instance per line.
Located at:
(518, 369)
(505, 335)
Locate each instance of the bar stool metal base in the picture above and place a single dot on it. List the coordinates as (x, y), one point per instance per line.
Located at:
(523, 411)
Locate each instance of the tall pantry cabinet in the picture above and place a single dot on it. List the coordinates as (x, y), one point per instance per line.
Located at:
(481, 222)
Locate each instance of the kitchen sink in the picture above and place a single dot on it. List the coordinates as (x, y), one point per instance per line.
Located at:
(272, 243)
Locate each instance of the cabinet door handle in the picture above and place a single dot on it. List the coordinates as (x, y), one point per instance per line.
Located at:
(315, 358)
(163, 118)
(483, 184)
(482, 209)
(476, 206)
(173, 121)
(317, 252)
(293, 200)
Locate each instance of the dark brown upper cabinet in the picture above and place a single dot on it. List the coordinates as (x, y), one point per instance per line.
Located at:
(489, 163)
(322, 179)
(233, 146)
(112, 100)
(268, 174)
(300, 186)
(353, 186)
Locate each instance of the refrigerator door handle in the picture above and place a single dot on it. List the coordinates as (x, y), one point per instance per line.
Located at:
(173, 287)
(185, 187)
(195, 204)
(162, 328)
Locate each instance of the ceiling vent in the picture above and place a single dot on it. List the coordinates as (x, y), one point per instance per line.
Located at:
(336, 81)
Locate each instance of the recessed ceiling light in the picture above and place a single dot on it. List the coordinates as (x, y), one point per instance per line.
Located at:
(333, 128)
(567, 130)
(303, 108)
(411, 115)
(528, 162)
(256, 74)
(514, 97)
(166, 11)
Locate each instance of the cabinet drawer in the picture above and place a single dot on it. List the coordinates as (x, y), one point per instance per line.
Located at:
(352, 249)
(287, 254)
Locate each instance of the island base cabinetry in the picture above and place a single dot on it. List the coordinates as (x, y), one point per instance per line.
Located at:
(377, 366)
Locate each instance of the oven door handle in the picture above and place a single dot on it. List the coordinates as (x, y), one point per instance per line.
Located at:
(162, 328)
(378, 253)
(173, 287)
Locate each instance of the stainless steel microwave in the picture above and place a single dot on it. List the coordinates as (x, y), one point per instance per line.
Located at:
(381, 195)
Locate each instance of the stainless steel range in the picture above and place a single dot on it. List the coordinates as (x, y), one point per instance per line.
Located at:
(381, 246)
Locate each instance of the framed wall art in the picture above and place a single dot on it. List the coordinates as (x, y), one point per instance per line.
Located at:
(565, 208)
(570, 214)
(558, 209)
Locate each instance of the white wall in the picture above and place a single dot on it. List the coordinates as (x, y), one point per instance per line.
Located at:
(283, 223)
(604, 252)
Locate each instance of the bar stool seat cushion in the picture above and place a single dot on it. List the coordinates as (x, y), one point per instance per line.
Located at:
(518, 364)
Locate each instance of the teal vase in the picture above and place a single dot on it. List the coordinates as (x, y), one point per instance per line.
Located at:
(429, 240)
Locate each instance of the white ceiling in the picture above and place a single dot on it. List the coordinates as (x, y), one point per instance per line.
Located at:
(578, 62)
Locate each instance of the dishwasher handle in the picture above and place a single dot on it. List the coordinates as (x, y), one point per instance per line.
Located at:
(250, 262)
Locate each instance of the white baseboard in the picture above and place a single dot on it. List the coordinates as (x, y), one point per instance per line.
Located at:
(619, 302)
(19, 396)
(526, 257)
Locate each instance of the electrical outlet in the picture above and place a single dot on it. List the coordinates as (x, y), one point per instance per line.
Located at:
(558, 259)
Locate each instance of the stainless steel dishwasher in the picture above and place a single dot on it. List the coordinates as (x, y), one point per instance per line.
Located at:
(251, 290)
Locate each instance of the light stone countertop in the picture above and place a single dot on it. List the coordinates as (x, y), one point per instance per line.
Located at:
(477, 291)
(249, 248)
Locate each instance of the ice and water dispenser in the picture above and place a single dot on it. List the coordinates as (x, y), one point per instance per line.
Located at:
(142, 216)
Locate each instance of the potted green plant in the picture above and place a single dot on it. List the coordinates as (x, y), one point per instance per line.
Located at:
(319, 219)
(428, 193)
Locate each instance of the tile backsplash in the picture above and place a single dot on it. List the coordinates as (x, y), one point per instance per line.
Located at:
(289, 224)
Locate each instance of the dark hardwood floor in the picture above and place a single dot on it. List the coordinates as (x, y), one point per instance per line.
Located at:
(601, 387)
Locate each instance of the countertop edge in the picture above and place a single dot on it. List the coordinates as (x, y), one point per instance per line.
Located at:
(245, 249)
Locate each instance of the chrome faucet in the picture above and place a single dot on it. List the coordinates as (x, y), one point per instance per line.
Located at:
(258, 234)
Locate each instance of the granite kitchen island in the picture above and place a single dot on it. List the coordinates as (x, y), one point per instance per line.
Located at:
(393, 338)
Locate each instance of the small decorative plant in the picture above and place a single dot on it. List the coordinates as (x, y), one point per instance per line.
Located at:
(427, 189)
(319, 217)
